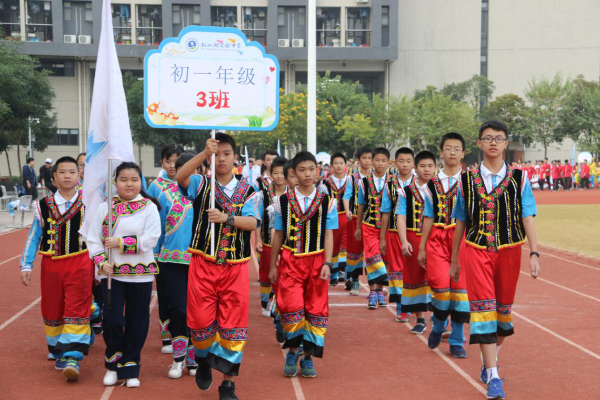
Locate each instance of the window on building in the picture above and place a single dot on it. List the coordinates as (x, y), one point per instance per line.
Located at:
(328, 26)
(57, 67)
(484, 40)
(223, 16)
(385, 26)
(291, 26)
(358, 26)
(39, 21)
(185, 15)
(67, 137)
(255, 24)
(157, 160)
(149, 24)
(78, 18)
(10, 21)
(121, 16)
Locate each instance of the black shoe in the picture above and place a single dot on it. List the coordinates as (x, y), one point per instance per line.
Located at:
(279, 336)
(203, 375)
(341, 279)
(333, 282)
(227, 391)
(348, 285)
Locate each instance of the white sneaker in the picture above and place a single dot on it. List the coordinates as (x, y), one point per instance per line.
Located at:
(110, 379)
(176, 370)
(168, 349)
(133, 383)
(266, 312)
(192, 371)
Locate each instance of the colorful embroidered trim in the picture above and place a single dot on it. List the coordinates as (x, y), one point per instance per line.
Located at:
(175, 256)
(200, 335)
(120, 209)
(99, 259)
(319, 322)
(129, 245)
(234, 333)
(138, 269)
(482, 305)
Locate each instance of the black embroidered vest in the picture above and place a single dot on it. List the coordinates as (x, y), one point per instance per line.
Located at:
(415, 204)
(232, 245)
(304, 233)
(493, 219)
(268, 194)
(336, 193)
(443, 203)
(60, 233)
(373, 199)
(353, 203)
(393, 189)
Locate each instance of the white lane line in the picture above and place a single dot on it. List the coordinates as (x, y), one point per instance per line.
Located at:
(348, 305)
(556, 335)
(295, 381)
(564, 287)
(525, 248)
(17, 315)
(10, 259)
(452, 364)
(109, 389)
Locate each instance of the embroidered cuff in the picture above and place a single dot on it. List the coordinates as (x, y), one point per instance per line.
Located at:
(129, 245)
(99, 259)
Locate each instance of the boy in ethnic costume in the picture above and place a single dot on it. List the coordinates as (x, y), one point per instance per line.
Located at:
(218, 286)
(494, 210)
(304, 222)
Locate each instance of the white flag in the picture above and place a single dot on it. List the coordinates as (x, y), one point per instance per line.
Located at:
(109, 135)
(278, 148)
(246, 169)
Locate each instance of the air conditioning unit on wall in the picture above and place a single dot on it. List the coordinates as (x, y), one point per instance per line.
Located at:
(298, 43)
(70, 38)
(283, 43)
(85, 39)
(362, 1)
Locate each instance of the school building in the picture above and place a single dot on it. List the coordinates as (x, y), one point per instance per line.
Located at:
(391, 46)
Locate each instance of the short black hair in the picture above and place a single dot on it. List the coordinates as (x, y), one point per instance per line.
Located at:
(170, 149)
(30, 159)
(453, 136)
(286, 168)
(225, 138)
(566, 161)
(131, 165)
(363, 150)
(65, 159)
(381, 150)
(263, 168)
(338, 155)
(80, 154)
(269, 152)
(495, 125)
(183, 158)
(404, 150)
(303, 156)
(278, 162)
(424, 155)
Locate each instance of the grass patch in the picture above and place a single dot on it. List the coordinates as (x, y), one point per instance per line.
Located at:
(570, 227)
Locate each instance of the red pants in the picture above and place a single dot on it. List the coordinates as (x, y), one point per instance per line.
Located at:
(395, 269)
(339, 241)
(217, 312)
(302, 299)
(66, 298)
(376, 270)
(263, 275)
(491, 284)
(354, 257)
(415, 291)
(449, 297)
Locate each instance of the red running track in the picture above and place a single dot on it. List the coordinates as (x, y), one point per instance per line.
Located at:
(555, 352)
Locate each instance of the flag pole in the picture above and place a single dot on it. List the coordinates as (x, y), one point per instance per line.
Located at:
(110, 231)
(212, 198)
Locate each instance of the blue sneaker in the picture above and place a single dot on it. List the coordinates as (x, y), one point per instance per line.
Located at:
(495, 391)
(290, 369)
(372, 300)
(71, 371)
(419, 328)
(50, 357)
(483, 376)
(381, 299)
(459, 352)
(308, 368)
(60, 364)
(434, 340)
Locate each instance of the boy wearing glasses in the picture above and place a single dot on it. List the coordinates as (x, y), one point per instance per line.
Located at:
(435, 251)
(494, 211)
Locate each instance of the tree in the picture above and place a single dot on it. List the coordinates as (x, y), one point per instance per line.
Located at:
(510, 109)
(543, 118)
(474, 91)
(357, 131)
(26, 92)
(390, 116)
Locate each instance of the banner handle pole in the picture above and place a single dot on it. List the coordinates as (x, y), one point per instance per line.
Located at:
(212, 198)
(110, 231)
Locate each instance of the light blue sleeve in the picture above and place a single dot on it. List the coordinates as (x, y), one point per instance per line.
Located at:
(331, 221)
(361, 195)
(401, 207)
(252, 208)
(31, 245)
(528, 207)
(386, 202)
(278, 220)
(348, 191)
(460, 209)
(192, 190)
(152, 190)
(428, 212)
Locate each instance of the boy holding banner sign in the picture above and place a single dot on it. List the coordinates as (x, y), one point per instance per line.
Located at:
(218, 286)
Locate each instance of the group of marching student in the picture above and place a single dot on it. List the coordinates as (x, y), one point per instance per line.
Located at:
(446, 241)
